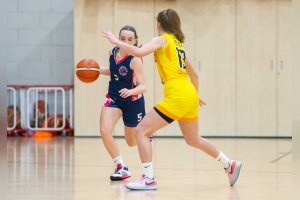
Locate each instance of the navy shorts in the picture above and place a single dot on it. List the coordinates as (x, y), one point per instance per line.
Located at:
(133, 111)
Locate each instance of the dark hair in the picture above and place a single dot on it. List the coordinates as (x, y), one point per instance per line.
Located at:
(170, 22)
(130, 28)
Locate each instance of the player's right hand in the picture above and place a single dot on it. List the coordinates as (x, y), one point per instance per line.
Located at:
(201, 103)
(110, 36)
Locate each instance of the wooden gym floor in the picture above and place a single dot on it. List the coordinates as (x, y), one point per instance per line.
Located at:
(79, 168)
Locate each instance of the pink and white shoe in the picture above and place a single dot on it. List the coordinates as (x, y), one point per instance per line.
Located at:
(121, 173)
(144, 183)
(233, 171)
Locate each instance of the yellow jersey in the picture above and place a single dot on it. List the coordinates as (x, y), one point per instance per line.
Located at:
(170, 60)
(180, 100)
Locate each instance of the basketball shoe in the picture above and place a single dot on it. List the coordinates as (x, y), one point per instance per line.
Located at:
(233, 171)
(144, 183)
(121, 173)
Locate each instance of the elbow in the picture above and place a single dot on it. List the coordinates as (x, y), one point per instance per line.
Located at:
(195, 77)
(140, 89)
(138, 54)
(144, 89)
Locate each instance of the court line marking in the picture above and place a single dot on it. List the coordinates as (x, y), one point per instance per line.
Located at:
(280, 157)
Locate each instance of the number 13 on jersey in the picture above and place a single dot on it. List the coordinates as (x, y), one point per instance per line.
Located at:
(181, 57)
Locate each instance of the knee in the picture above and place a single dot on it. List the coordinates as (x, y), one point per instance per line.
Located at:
(131, 143)
(140, 131)
(189, 142)
(104, 131)
(193, 142)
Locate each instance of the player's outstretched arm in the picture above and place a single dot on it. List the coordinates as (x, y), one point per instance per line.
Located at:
(154, 44)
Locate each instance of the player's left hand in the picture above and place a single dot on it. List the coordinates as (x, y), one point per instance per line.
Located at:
(110, 36)
(201, 103)
(125, 93)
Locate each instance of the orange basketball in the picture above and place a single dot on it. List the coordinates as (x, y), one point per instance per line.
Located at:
(87, 70)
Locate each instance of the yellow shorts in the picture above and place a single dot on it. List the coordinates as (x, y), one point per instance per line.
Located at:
(180, 101)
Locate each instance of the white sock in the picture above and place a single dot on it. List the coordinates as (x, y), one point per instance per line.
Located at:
(148, 170)
(224, 160)
(119, 160)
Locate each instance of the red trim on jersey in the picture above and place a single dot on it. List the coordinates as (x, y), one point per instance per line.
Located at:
(108, 100)
(133, 97)
(121, 60)
(115, 57)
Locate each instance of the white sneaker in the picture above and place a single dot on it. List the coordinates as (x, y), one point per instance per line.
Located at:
(144, 183)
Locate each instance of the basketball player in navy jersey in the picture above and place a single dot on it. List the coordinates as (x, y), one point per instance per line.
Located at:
(124, 98)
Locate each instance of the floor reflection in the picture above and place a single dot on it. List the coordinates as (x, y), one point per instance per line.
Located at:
(79, 168)
(40, 166)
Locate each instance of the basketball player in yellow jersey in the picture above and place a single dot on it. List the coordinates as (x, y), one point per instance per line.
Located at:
(180, 100)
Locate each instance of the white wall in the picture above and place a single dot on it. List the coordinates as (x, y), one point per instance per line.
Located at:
(40, 42)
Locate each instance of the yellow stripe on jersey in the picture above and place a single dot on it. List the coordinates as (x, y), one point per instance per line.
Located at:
(168, 52)
(160, 69)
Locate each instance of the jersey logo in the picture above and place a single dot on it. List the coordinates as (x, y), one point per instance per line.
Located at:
(123, 71)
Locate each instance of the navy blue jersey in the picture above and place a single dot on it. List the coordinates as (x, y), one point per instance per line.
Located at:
(121, 76)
